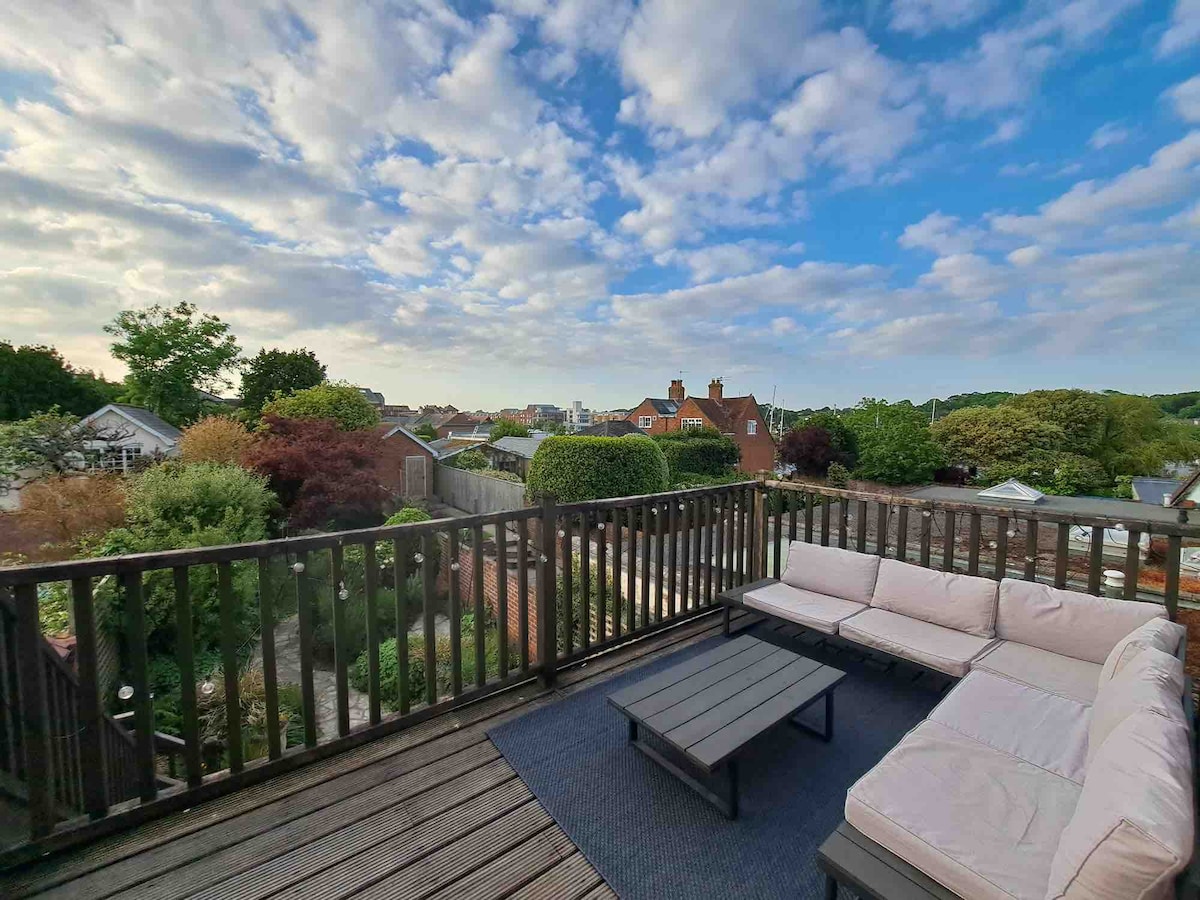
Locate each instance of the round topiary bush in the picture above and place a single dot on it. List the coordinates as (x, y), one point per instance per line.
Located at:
(407, 516)
(573, 469)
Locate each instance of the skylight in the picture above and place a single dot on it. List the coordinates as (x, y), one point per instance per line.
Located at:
(1012, 490)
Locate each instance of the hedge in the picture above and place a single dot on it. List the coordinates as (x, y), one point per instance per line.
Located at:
(699, 452)
(577, 468)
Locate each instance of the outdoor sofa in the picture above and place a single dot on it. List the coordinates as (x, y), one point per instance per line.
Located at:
(1060, 764)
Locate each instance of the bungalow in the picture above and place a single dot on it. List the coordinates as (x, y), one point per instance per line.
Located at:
(147, 436)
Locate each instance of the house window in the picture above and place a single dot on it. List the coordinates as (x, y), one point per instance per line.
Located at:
(645, 421)
(752, 427)
(693, 423)
(119, 459)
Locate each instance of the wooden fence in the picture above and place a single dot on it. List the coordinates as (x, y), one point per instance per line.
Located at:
(587, 577)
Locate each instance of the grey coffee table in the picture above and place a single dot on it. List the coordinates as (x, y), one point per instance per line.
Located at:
(708, 709)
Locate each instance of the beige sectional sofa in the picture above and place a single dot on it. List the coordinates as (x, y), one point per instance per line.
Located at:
(1060, 765)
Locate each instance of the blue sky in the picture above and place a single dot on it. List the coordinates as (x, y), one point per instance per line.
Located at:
(541, 200)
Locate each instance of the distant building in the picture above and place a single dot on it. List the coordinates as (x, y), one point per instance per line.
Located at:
(611, 429)
(576, 417)
(737, 417)
(536, 412)
(1188, 495)
(373, 397)
(463, 424)
(610, 415)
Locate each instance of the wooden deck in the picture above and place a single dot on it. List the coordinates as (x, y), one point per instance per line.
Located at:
(431, 812)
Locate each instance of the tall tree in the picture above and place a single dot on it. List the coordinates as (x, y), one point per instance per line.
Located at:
(35, 379)
(508, 428)
(983, 435)
(172, 354)
(894, 442)
(282, 371)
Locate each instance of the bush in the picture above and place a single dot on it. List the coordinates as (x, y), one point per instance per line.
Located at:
(324, 476)
(701, 451)
(469, 460)
(407, 516)
(252, 702)
(838, 475)
(577, 468)
(198, 496)
(1051, 473)
(984, 435)
(215, 439)
(841, 436)
(67, 509)
(685, 480)
(341, 402)
(501, 475)
(809, 448)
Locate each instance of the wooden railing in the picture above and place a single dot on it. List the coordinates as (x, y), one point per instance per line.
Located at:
(479, 603)
(1066, 551)
(481, 594)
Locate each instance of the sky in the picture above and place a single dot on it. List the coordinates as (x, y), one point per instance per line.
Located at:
(493, 204)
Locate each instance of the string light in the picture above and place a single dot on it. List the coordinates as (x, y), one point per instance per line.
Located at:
(419, 557)
(125, 692)
(343, 594)
(207, 688)
(562, 532)
(298, 568)
(600, 526)
(454, 567)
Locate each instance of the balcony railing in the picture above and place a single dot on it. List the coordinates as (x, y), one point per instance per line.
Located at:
(478, 604)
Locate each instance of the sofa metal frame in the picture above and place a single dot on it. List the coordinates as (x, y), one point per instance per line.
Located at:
(870, 870)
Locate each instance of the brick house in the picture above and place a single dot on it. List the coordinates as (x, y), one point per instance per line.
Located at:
(408, 462)
(737, 417)
(462, 423)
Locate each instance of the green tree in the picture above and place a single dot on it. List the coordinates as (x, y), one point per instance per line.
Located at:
(339, 401)
(426, 432)
(1080, 415)
(577, 468)
(278, 371)
(983, 435)
(52, 442)
(173, 353)
(550, 426)
(698, 451)
(35, 379)
(471, 460)
(508, 428)
(1051, 472)
(895, 445)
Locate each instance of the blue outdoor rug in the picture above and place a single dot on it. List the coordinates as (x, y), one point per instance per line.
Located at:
(651, 837)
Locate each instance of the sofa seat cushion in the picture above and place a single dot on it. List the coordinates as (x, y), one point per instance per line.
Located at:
(935, 646)
(831, 571)
(1159, 634)
(963, 602)
(1053, 672)
(1134, 825)
(812, 610)
(1047, 730)
(1152, 681)
(980, 822)
(1067, 622)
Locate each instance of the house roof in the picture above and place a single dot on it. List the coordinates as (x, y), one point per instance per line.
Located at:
(725, 414)
(1186, 488)
(1151, 490)
(663, 406)
(388, 430)
(143, 418)
(1098, 507)
(523, 447)
(611, 428)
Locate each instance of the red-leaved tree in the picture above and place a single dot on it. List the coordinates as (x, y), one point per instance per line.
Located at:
(810, 449)
(324, 477)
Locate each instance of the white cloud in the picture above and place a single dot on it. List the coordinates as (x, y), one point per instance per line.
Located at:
(921, 17)
(1184, 30)
(1008, 130)
(1107, 135)
(945, 235)
(1186, 98)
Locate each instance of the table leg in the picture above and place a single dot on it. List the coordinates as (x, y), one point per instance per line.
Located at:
(732, 765)
(633, 731)
(725, 622)
(826, 734)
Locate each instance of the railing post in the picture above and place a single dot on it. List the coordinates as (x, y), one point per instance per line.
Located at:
(547, 607)
(759, 498)
(34, 717)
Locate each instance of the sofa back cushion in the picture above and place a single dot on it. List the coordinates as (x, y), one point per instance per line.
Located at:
(1153, 680)
(1159, 634)
(1067, 622)
(831, 571)
(1132, 830)
(962, 602)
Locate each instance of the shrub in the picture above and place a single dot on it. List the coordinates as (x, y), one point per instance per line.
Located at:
(838, 475)
(504, 427)
(1051, 473)
(577, 468)
(324, 476)
(200, 495)
(809, 448)
(702, 451)
(407, 516)
(216, 439)
(341, 402)
(66, 509)
(469, 460)
(252, 702)
(501, 475)
(841, 436)
(686, 480)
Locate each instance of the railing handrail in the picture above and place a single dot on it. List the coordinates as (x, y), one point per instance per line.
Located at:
(640, 499)
(1128, 523)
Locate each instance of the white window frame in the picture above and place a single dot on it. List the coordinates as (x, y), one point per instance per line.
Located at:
(691, 423)
(645, 421)
(752, 426)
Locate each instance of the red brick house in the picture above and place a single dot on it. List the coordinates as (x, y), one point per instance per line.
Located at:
(737, 417)
(408, 463)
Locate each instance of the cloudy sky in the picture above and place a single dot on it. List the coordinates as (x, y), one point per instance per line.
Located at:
(542, 200)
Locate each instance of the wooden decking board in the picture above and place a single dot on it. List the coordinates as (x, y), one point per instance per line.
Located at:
(339, 871)
(432, 808)
(238, 857)
(307, 859)
(264, 819)
(451, 863)
(570, 879)
(512, 870)
(71, 864)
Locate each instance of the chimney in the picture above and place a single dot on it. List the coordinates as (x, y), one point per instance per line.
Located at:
(716, 390)
(676, 392)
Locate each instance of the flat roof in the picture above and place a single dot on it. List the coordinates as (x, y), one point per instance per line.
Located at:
(1098, 507)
